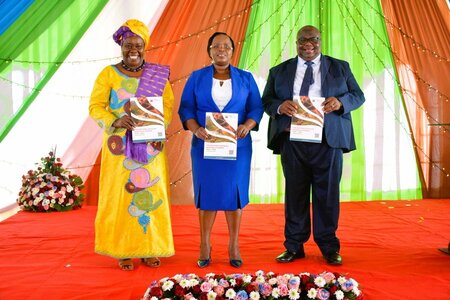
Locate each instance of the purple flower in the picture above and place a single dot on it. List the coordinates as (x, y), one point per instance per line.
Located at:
(323, 294)
(241, 295)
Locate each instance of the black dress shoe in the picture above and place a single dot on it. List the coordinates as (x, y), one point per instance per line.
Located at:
(237, 263)
(288, 256)
(203, 263)
(333, 258)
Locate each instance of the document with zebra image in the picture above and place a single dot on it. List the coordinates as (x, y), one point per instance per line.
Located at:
(307, 123)
(222, 141)
(148, 115)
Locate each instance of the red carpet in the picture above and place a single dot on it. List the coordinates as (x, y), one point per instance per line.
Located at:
(390, 248)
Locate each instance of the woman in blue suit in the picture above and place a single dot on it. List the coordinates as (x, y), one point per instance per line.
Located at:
(220, 184)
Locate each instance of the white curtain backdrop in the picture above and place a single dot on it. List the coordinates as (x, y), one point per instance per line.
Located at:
(61, 109)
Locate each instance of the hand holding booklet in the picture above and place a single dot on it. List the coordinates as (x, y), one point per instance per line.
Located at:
(222, 141)
(307, 123)
(148, 115)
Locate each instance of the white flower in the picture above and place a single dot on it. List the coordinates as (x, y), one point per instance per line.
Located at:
(162, 280)
(178, 277)
(254, 295)
(167, 286)
(69, 188)
(272, 281)
(247, 278)
(211, 295)
(355, 283)
(153, 298)
(259, 273)
(339, 295)
(214, 282)
(185, 283)
(312, 293)
(260, 279)
(275, 293)
(341, 280)
(193, 282)
(232, 282)
(34, 191)
(230, 294)
(356, 291)
(293, 294)
(319, 281)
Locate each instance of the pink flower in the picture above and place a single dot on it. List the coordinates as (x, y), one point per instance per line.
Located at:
(328, 276)
(219, 290)
(323, 294)
(281, 280)
(283, 289)
(266, 289)
(205, 287)
(224, 283)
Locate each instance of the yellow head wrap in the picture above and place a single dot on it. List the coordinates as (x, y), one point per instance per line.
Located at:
(130, 28)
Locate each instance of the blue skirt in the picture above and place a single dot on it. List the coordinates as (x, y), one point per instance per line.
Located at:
(221, 184)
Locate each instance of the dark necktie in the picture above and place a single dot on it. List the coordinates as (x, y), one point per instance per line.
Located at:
(307, 79)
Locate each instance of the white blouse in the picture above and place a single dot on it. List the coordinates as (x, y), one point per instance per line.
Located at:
(221, 92)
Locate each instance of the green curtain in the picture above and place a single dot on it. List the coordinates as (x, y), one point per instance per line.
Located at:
(354, 31)
(34, 46)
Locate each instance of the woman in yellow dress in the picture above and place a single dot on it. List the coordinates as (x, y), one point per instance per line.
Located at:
(133, 216)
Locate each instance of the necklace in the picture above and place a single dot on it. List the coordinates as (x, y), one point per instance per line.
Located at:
(128, 68)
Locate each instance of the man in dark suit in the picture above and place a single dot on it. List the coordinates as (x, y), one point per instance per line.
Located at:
(309, 166)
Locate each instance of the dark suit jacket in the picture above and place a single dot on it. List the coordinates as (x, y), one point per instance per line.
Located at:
(337, 81)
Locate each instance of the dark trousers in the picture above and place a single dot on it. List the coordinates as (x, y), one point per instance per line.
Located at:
(311, 169)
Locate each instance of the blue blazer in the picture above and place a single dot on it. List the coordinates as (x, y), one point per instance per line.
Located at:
(337, 81)
(196, 100)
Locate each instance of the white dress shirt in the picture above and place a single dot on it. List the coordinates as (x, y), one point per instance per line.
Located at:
(221, 94)
(315, 88)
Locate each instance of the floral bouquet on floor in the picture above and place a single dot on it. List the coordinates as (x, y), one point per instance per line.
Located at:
(50, 187)
(272, 286)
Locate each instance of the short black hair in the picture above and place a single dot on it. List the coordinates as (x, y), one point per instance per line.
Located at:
(211, 38)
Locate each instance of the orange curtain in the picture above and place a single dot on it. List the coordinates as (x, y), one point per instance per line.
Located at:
(419, 32)
(180, 40)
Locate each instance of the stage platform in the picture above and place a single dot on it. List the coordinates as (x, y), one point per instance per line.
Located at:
(390, 248)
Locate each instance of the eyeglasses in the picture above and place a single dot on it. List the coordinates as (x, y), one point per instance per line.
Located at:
(314, 40)
(224, 46)
(139, 47)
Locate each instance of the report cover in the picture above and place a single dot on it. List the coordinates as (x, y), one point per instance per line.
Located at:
(222, 141)
(148, 115)
(307, 123)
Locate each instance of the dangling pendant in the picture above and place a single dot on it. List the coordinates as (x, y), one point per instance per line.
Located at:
(130, 69)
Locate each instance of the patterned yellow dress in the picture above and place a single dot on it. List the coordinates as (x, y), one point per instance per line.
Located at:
(133, 217)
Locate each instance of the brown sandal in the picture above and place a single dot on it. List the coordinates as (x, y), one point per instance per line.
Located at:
(126, 264)
(152, 262)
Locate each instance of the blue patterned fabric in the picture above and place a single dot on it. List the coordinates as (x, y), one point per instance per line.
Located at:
(10, 11)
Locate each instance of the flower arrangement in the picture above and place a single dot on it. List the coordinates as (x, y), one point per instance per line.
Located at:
(272, 286)
(50, 187)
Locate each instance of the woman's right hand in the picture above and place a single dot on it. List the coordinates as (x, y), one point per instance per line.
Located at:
(201, 133)
(124, 122)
